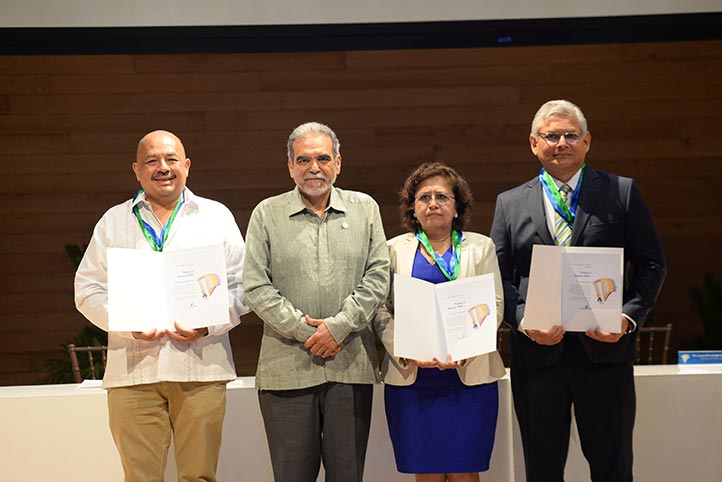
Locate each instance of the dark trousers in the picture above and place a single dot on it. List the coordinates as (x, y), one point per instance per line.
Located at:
(328, 422)
(604, 402)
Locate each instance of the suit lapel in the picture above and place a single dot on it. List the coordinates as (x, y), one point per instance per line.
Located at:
(535, 205)
(591, 185)
(406, 254)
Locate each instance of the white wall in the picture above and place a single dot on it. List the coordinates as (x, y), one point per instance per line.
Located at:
(142, 13)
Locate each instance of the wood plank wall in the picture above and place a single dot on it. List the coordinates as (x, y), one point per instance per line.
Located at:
(69, 126)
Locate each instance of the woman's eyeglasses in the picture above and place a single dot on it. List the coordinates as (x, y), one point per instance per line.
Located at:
(441, 198)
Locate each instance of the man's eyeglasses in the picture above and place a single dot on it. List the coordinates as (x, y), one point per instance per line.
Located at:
(553, 138)
(441, 198)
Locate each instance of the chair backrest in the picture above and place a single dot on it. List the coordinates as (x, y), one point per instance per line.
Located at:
(648, 344)
(75, 363)
(502, 344)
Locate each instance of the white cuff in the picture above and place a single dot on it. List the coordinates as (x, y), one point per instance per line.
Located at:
(520, 327)
(632, 324)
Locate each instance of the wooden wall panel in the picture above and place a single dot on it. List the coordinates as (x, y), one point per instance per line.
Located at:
(69, 126)
(78, 65)
(212, 63)
(153, 83)
(24, 84)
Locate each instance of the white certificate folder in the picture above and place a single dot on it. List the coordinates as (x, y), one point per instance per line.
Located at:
(456, 318)
(149, 289)
(580, 288)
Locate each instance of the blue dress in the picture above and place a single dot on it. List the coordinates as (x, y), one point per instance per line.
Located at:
(438, 424)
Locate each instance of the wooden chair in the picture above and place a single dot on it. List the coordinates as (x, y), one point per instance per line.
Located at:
(502, 344)
(648, 344)
(74, 362)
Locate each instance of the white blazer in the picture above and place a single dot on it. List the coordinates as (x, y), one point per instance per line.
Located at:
(478, 256)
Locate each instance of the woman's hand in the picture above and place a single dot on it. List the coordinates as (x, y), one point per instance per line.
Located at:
(443, 365)
(422, 363)
(435, 363)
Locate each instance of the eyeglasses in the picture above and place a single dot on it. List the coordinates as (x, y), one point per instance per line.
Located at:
(553, 138)
(441, 198)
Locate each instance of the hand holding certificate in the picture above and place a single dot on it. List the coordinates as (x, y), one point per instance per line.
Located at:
(456, 318)
(577, 287)
(187, 287)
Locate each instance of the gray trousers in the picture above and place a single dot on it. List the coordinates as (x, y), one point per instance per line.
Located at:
(328, 423)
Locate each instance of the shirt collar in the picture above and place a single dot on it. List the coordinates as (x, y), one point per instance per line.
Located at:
(137, 200)
(297, 205)
(572, 182)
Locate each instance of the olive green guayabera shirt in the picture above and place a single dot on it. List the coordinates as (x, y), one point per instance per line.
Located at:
(335, 269)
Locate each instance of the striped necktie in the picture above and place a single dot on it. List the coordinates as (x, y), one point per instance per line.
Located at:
(562, 229)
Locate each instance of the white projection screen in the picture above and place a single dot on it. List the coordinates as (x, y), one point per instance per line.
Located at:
(180, 13)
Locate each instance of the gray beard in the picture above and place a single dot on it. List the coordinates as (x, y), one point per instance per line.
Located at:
(319, 190)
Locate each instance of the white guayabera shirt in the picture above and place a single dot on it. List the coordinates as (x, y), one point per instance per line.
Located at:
(199, 222)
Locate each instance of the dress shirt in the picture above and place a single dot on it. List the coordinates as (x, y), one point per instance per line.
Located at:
(549, 208)
(334, 268)
(199, 222)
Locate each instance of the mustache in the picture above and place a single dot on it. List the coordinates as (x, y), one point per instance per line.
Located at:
(163, 176)
(309, 177)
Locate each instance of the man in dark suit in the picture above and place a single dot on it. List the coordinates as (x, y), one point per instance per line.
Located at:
(570, 204)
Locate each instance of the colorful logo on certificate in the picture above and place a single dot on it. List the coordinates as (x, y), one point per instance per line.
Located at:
(604, 287)
(478, 314)
(208, 284)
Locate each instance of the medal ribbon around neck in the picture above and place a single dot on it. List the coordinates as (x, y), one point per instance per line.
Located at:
(451, 269)
(552, 192)
(153, 238)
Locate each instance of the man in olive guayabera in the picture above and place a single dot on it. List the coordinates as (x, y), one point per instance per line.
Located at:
(316, 270)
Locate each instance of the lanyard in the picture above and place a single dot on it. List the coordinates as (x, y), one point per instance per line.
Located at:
(156, 241)
(552, 192)
(450, 269)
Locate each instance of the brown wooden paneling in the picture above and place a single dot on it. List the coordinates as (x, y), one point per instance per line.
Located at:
(401, 98)
(19, 303)
(681, 51)
(149, 104)
(65, 183)
(23, 84)
(69, 126)
(136, 123)
(66, 64)
(413, 78)
(212, 63)
(34, 144)
(452, 58)
(148, 83)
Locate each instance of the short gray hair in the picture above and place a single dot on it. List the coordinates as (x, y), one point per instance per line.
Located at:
(558, 108)
(312, 128)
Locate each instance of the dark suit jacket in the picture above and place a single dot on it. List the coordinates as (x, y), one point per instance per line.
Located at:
(610, 213)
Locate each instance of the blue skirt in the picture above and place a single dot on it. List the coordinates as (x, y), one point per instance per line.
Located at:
(439, 425)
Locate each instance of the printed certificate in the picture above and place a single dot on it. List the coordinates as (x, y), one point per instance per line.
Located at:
(577, 287)
(456, 318)
(149, 289)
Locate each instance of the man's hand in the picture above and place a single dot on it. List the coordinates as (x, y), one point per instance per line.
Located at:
(547, 337)
(606, 337)
(322, 343)
(151, 335)
(183, 335)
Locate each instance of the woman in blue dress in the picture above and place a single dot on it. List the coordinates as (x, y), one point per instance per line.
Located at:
(441, 413)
